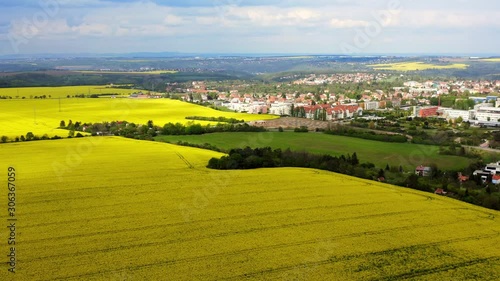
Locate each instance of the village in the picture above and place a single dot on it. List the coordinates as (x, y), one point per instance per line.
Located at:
(473, 101)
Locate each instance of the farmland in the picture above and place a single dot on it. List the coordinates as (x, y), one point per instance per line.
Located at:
(412, 66)
(379, 153)
(42, 116)
(63, 92)
(152, 72)
(89, 211)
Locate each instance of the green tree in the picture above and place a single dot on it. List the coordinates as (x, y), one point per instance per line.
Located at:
(29, 136)
(5, 139)
(381, 173)
(412, 181)
(435, 172)
(354, 159)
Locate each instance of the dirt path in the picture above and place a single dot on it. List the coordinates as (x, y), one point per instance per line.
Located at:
(293, 122)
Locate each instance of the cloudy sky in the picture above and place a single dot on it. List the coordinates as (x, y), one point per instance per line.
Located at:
(241, 26)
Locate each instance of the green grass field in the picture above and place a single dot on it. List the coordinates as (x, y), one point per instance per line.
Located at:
(17, 117)
(63, 92)
(120, 209)
(380, 153)
(412, 66)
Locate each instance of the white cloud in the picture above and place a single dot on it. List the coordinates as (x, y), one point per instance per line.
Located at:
(338, 23)
(94, 29)
(450, 19)
(173, 20)
(261, 27)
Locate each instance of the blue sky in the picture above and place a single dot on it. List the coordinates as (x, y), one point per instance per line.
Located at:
(241, 26)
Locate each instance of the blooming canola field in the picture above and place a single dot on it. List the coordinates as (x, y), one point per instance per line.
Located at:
(109, 208)
(63, 91)
(42, 116)
(413, 66)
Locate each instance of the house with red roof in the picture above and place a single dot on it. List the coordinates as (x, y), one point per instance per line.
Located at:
(440, 191)
(462, 178)
(423, 171)
(343, 111)
(495, 179)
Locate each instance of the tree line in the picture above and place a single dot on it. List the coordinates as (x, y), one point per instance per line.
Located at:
(248, 158)
(215, 119)
(472, 191)
(150, 130)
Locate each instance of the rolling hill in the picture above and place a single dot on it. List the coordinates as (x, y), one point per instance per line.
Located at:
(119, 209)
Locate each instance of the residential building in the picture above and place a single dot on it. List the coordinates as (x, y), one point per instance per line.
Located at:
(423, 171)
(372, 105)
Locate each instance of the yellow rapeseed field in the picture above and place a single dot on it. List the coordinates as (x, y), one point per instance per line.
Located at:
(412, 66)
(119, 209)
(17, 117)
(62, 92)
(492, 60)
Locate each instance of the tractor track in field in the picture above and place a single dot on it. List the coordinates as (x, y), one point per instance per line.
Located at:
(429, 271)
(244, 203)
(300, 243)
(160, 226)
(396, 277)
(188, 164)
(240, 232)
(173, 224)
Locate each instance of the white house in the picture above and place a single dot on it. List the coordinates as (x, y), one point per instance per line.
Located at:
(281, 109)
(371, 105)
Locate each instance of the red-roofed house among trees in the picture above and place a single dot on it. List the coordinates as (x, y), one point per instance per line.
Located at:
(423, 171)
(440, 191)
(343, 112)
(328, 112)
(495, 179)
(462, 178)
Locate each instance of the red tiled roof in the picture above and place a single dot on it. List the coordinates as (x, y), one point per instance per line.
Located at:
(440, 191)
(420, 168)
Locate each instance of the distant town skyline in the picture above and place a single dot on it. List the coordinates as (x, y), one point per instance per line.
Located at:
(238, 26)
